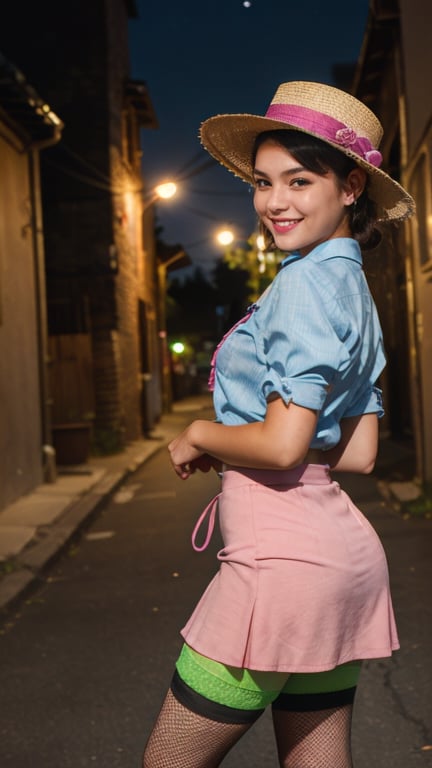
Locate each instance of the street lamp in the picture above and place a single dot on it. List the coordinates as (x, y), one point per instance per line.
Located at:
(166, 190)
(225, 237)
(163, 191)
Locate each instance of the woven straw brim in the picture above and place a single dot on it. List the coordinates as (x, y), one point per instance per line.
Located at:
(230, 140)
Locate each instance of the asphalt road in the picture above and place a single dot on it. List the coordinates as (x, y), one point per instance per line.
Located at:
(86, 661)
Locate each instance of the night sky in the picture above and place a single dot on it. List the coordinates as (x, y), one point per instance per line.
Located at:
(201, 59)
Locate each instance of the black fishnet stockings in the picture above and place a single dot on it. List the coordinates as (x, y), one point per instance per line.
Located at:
(183, 739)
(314, 739)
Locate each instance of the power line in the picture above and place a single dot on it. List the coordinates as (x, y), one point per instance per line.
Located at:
(201, 213)
(88, 180)
(203, 167)
(83, 161)
(190, 162)
(217, 192)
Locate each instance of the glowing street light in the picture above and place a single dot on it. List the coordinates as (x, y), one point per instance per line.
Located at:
(163, 191)
(178, 347)
(225, 237)
(166, 190)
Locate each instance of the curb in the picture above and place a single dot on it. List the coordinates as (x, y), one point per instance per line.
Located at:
(51, 541)
(34, 560)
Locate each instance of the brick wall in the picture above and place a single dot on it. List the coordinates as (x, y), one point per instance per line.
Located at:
(78, 55)
(20, 396)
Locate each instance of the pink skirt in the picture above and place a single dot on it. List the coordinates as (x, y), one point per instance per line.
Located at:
(303, 582)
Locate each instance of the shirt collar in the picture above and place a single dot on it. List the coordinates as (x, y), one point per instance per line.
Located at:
(338, 248)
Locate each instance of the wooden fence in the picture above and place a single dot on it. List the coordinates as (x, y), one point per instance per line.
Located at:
(71, 378)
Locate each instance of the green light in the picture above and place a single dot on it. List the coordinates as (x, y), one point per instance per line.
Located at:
(178, 347)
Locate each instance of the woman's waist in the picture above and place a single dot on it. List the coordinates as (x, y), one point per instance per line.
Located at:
(236, 479)
(316, 456)
(316, 473)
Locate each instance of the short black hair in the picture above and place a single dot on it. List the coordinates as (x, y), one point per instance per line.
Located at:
(319, 157)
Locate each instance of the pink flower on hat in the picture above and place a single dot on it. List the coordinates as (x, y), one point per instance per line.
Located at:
(346, 137)
(374, 157)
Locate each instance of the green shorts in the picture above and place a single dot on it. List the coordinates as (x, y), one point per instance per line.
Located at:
(218, 691)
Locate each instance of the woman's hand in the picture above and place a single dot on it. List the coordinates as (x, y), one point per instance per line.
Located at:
(183, 453)
(187, 458)
(205, 463)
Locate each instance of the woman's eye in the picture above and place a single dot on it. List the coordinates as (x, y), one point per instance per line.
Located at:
(299, 182)
(261, 183)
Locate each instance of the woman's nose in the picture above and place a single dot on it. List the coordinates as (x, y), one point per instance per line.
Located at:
(277, 200)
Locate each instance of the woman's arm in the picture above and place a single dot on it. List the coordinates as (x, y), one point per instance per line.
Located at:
(281, 441)
(358, 446)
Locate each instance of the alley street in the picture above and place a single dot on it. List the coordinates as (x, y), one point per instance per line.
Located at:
(86, 660)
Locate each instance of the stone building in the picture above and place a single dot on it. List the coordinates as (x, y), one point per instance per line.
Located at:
(102, 307)
(392, 78)
(27, 128)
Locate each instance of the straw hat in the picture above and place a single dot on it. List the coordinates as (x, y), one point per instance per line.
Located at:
(332, 115)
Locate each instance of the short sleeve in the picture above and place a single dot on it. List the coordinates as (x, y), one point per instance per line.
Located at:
(302, 349)
(370, 401)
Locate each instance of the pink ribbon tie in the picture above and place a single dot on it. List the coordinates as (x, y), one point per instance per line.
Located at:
(210, 510)
(211, 381)
(327, 128)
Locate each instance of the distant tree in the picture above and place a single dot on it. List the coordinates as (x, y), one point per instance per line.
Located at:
(232, 293)
(191, 305)
(261, 266)
(196, 288)
(209, 306)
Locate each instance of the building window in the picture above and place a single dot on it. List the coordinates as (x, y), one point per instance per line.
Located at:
(422, 221)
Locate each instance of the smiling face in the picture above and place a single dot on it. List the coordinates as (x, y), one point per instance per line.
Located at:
(300, 208)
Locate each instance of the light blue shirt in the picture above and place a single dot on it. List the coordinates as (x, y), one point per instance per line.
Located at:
(313, 337)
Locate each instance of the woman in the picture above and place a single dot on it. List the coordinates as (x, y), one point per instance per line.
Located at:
(302, 594)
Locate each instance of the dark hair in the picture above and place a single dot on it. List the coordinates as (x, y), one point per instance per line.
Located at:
(320, 158)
